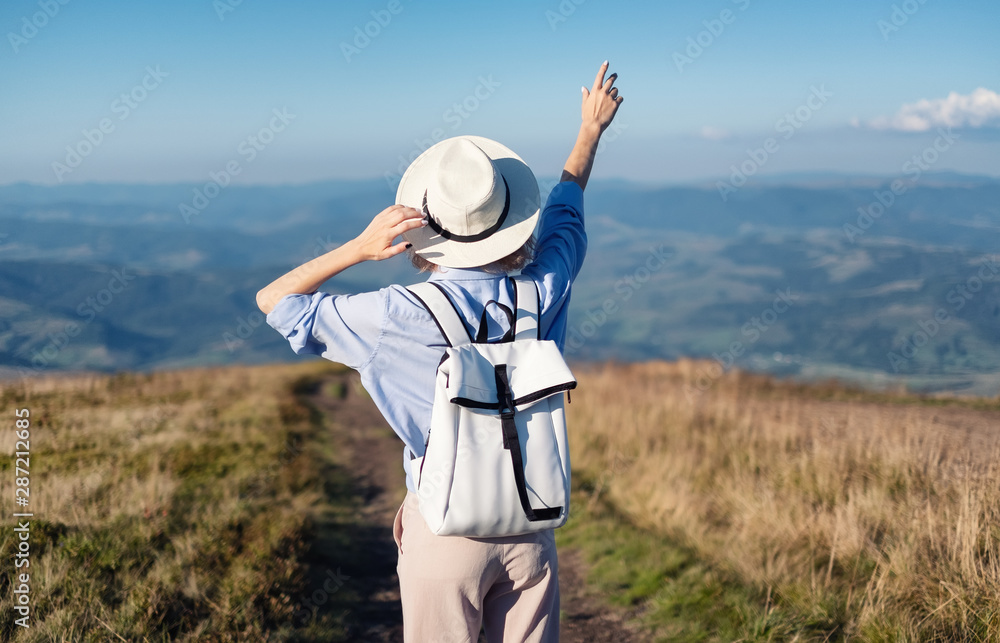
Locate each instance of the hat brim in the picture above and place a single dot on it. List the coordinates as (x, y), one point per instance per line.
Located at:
(517, 228)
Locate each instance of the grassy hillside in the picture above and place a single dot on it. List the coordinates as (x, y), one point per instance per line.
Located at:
(177, 506)
(211, 504)
(793, 513)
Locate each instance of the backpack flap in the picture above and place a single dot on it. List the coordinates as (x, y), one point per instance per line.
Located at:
(472, 374)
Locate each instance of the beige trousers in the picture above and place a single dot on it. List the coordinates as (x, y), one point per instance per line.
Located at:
(450, 585)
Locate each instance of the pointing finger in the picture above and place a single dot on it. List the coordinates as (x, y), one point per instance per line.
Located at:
(599, 80)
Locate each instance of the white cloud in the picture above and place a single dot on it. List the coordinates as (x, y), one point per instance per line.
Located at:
(981, 107)
(714, 133)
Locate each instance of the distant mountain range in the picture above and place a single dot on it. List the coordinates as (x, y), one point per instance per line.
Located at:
(813, 275)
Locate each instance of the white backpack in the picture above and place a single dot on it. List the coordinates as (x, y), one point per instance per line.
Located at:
(496, 460)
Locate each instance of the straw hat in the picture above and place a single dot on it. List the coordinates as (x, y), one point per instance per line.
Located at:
(480, 199)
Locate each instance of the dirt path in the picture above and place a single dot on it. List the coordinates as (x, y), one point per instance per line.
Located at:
(364, 439)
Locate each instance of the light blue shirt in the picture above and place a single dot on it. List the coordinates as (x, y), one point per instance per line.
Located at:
(392, 341)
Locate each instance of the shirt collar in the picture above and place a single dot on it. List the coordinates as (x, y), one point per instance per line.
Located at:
(462, 274)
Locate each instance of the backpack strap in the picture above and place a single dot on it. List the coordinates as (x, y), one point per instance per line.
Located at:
(449, 320)
(482, 337)
(511, 442)
(444, 313)
(526, 305)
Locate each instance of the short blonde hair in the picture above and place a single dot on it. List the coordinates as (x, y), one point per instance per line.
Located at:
(512, 262)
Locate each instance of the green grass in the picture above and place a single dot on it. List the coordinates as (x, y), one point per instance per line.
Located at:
(677, 596)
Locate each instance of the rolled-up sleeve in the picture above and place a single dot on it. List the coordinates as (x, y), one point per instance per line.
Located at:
(341, 328)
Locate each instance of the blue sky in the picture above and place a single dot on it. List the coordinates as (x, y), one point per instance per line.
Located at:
(221, 68)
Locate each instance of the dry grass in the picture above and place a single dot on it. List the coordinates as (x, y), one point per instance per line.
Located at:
(179, 506)
(862, 519)
(169, 506)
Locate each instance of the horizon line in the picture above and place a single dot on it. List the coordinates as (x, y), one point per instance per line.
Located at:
(805, 176)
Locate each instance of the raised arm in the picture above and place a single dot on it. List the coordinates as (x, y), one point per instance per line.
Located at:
(375, 244)
(600, 104)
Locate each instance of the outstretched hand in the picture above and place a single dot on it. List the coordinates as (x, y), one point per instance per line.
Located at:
(375, 243)
(600, 102)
